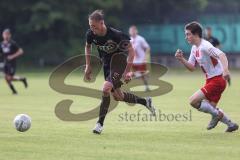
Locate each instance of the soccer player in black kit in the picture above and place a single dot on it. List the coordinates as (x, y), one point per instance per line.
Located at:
(214, 41)
(113, 46)
(10, 51)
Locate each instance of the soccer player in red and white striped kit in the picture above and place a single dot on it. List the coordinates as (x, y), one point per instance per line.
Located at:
(214, 64)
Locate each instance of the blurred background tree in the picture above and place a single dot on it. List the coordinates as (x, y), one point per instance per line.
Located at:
(52, 30)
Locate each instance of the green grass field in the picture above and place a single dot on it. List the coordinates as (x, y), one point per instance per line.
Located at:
(52, 139)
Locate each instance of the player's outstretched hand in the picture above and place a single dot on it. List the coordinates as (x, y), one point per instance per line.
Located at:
(179, 54)
(88, 71)
(127, 76)
(227, 77)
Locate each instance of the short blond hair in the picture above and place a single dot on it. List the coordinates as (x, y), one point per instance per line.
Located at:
(96, 15)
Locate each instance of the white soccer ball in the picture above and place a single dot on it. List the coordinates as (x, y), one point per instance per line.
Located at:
(22, 122)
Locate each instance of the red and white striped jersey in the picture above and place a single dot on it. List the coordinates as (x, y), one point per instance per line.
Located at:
(207, 56)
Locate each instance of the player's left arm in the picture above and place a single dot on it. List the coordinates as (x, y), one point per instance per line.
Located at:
(223, 59)
(18, 53)
(146, 48)
(131, 54)
(147, 54)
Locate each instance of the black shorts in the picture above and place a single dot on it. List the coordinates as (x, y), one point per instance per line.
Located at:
(113, 72)
(114, 77)
(10, 69)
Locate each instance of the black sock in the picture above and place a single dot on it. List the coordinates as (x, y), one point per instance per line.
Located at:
(103, 109)
(24, 80)
(131, 98)
(12, 88)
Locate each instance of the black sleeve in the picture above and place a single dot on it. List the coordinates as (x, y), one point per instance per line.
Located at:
(124, 42)
(15, 46)
(119, 35)
(89, 37)
(1, 51)
(1, 55)
(125, 37)
(217, 42)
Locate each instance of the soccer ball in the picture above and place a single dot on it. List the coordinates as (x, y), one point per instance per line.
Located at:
(22, 122)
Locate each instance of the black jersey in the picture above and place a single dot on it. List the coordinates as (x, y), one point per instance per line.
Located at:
(214, 41)
(9, 48)
(113, 42)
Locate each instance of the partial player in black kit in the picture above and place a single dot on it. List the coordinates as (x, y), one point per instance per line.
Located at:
(213, 40)
(10, 52)
(116, 53)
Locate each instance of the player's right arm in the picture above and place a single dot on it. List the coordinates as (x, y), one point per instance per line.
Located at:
(88, 48)
(180, 57)
(88, 69)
